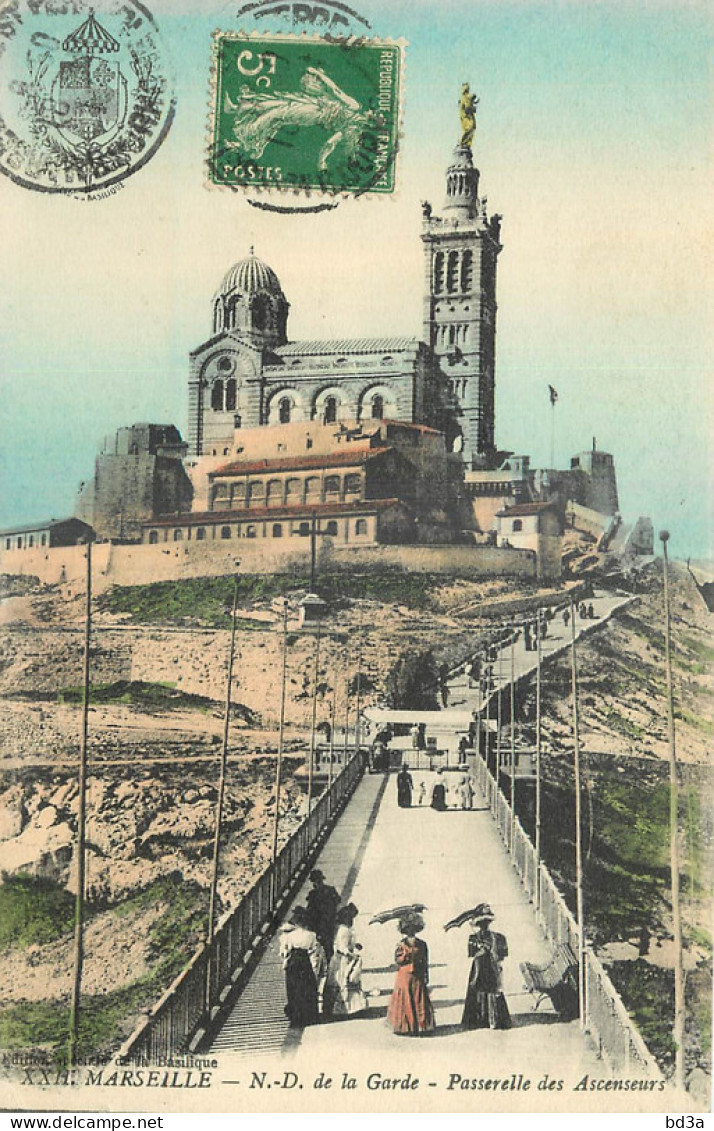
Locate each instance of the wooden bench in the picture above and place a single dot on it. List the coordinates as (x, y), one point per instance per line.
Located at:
(558, 980)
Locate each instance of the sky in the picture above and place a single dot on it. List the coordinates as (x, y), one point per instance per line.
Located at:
(594, 141)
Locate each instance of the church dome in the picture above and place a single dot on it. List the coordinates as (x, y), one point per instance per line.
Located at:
(250, 276)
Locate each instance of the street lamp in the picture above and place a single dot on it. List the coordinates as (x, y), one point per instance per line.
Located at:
(678, 1028)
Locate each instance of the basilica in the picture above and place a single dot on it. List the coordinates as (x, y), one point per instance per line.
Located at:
(249, 374)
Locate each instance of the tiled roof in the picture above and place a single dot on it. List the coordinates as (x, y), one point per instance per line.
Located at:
(51, 524)
(347, 345)
(522, 509)
(256, 514)
(357, 454)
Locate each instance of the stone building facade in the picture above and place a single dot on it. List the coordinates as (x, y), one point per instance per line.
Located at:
(138, 474)
(536, 527)
(386, 481)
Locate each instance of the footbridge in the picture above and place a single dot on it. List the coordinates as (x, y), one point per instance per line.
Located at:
(230, 998)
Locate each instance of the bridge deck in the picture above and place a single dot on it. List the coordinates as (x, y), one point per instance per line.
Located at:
(378, 856)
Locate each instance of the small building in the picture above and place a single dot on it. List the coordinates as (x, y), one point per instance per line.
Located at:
(536, 527)
(313, 610)
(46, 535)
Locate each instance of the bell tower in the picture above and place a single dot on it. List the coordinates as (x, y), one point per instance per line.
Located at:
(460, 252)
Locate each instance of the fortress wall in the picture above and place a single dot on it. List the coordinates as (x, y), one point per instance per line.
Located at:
(143, 564)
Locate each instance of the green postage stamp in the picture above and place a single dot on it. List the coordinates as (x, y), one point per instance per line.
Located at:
(293, 112)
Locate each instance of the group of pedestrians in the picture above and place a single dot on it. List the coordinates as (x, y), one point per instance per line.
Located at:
(321, 958)
(310, 976)
(457, 793)
(411, 1012)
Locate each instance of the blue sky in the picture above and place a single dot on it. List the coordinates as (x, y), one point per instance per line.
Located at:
(594, 141)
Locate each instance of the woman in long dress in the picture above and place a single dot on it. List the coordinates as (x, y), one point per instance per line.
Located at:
(485, 1005)
(343, 989)
(410, 1010)
(304, 965)
(404, 788)
(438, 793)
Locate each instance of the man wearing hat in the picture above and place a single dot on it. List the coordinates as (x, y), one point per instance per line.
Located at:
(322, 903)
(485, 1005)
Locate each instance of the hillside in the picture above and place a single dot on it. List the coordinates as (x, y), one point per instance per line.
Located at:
(159, 658)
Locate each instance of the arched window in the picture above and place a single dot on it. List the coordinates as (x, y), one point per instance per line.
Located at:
(517, 525)
(284, 410)
(31, 540)
(332, 485)
(277, 530)
(178, 535)
(201, 534)
(331, 527)
(275, 493)
(231, 395)
(218, 315)
(378, 408)
(353, 484)
(466, 270)
(292, 491)
(438, 272)
(153, 537)
(261, 312)
(43, 540)
(250, 532)
(256, 493)
(361, 526)
(217, 396)
(452, 269)
(312, 487)
(19, 543)
(304, 529)
(225, 532)
(8, 543)
(330, 411)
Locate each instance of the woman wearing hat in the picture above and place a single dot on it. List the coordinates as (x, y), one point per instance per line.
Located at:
(410, 1010)
(343, 990)
(485, 1005)
(304, 965)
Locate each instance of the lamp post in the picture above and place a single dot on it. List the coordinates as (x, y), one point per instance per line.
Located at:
(679, 1004)
(513, 737)
(579, 902)
(311, 767)
(538, 751)
(81, 828)
(221, 796)
(279, 761)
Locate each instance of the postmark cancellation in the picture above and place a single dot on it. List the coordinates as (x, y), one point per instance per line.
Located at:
(86, 92)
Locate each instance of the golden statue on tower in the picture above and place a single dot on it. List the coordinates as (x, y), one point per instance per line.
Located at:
(467, 112)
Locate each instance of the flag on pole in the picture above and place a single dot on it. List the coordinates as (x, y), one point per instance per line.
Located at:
(553, 394)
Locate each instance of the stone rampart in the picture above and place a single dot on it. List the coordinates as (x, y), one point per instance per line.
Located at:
(141, 565)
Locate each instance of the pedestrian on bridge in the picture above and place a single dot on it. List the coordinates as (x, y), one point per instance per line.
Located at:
(322, 903)
(343, 995)
(410, 1012)
(305, 967)
(485, 1005)
(438, 792)
(405, 786)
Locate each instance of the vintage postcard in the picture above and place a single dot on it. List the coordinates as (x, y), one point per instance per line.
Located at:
(356, 561)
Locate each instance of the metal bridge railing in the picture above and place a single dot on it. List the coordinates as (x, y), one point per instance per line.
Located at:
(203, 985)
(607, 1021)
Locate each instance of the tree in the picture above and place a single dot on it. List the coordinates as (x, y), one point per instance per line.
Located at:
(413, 682)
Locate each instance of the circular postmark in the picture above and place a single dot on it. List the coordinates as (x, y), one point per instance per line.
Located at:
(86, 97)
